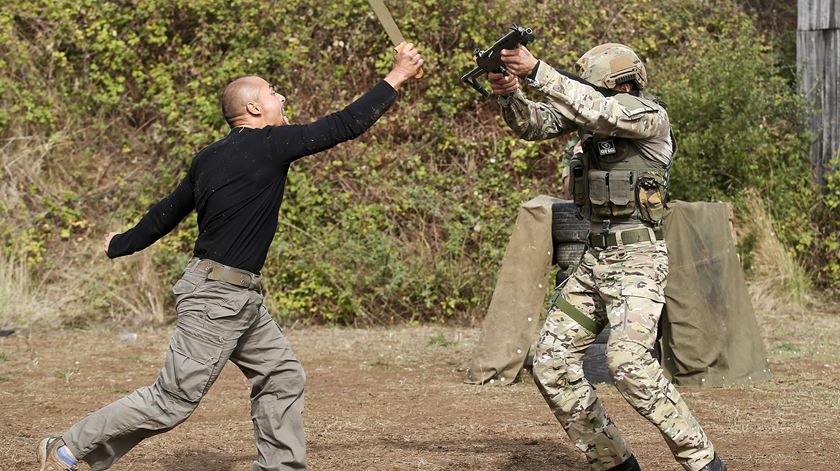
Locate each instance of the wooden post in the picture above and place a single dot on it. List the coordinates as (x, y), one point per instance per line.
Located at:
(818, 63)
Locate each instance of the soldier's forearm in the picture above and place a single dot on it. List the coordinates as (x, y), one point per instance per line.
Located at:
(529, 120)
(589, 109)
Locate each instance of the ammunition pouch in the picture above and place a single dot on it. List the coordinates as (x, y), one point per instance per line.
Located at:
(578, 186)
(613, 181)
(612, 193)
(626, 194)
(650, 197)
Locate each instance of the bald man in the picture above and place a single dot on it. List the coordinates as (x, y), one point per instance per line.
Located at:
(236, 186)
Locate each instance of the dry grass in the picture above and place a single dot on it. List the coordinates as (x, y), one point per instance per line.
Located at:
(144, 295)
(67, 279)
(36, 166)
(19, 294)
(27, 180)
(778, 281)
(81, 286)
(21, 160)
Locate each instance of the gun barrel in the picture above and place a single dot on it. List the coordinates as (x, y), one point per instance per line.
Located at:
(508, 41)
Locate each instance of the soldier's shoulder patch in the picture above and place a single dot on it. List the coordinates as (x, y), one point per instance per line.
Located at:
(634, 106)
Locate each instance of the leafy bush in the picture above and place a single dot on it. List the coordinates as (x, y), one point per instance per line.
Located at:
(408, 222)
(741, 128)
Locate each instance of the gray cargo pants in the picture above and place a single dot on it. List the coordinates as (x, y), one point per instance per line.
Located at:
(217, 322)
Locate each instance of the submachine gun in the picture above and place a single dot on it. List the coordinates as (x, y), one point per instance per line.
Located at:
(490, 60)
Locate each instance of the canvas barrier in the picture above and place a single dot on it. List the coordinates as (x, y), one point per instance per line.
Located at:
(710, 336)
(709, 333)
(513, 319)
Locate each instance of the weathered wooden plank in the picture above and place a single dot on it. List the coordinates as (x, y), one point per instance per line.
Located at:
(807, 60)
(818, 14)
(831, 98)
(818, 62)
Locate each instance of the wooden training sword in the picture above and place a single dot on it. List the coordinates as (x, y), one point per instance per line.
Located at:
(390, 27)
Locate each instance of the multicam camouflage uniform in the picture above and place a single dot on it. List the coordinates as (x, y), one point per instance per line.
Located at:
(621, 284)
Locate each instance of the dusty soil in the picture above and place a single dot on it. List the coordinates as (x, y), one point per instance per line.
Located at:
(393, 399)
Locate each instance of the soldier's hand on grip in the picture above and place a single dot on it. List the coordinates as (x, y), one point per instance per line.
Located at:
(501, 84)
(519, 61)
(407, 64)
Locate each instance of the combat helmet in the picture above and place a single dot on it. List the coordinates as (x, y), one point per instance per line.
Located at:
(610, 64)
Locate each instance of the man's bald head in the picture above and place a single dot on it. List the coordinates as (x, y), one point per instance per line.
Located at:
(238, 94)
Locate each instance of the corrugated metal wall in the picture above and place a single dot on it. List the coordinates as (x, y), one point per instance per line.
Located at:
(818, 62)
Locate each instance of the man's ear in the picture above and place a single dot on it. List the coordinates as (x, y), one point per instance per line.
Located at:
(253, 108)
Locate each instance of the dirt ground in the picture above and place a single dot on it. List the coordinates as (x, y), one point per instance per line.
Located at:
(393, 399)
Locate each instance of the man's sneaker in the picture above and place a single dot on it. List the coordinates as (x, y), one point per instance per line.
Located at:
(49, 458)
(715, 465)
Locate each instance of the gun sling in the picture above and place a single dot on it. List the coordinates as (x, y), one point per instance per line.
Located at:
(576, 315)
(607, 92)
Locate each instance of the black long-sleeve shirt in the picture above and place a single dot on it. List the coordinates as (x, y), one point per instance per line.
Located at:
(236, 184)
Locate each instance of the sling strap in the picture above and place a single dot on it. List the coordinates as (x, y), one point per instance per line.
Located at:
(576, 315)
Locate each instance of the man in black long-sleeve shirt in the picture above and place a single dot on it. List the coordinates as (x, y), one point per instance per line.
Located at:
(236, 186)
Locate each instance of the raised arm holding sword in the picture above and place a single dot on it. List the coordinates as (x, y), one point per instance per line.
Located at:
(236, 186)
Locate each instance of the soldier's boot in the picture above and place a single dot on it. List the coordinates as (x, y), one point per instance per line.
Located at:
(630, 465)
(715, 465)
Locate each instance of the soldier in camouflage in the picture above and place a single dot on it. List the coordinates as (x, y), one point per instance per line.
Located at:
(619, 183)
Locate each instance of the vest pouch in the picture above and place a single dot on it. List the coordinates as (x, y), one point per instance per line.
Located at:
(649, 198)
(577, 181)
(622, 193)
(599, 193)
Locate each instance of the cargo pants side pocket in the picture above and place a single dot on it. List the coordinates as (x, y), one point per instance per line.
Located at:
(188, 366)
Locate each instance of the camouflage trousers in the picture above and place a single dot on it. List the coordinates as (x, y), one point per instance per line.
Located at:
(622, 287)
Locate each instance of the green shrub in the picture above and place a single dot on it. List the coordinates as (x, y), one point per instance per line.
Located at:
(826, 224)
(407, 223)
(740, 126)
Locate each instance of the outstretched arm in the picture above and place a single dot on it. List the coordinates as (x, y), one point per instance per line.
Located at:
(584, 106)
(530, 120)
(161, 218)
(533, 121)
(292, 142)
(590, 110)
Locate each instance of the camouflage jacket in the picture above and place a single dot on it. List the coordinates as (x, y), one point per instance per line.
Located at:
(573, 106)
